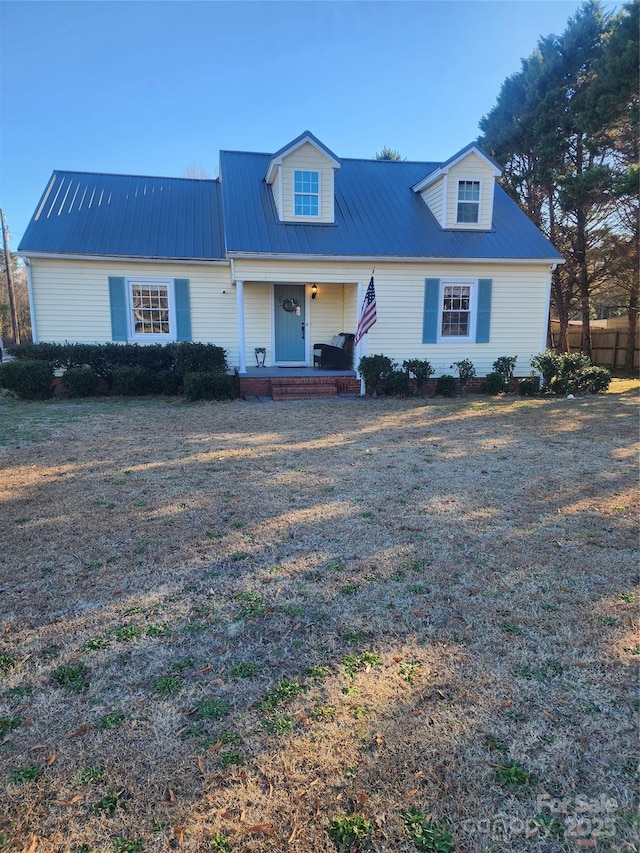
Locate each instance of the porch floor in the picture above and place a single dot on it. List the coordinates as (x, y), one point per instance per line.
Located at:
(296, 383)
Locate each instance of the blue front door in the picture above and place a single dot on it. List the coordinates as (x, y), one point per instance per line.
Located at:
(289, 323)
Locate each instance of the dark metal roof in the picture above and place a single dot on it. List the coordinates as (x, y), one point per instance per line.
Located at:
(82, 213)
(377, 214)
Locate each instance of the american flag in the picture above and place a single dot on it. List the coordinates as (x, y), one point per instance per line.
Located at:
(367, 312)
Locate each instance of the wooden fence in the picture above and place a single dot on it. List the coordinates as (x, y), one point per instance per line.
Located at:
(608, 346)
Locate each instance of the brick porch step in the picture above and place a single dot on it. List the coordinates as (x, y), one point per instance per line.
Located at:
(303, 388)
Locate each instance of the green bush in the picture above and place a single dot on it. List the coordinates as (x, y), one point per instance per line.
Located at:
(504, 366)
(569, 372)
(80, 382)
(196, 358)
(208, 386)
(548, 364)
(466, 371)
(446, 386)
(166, 382)
(398, 384)
(595, 380)
(29, 380)
(529, 387)
(132, 381)
(421, 370)
(375, 370)
(494, 383)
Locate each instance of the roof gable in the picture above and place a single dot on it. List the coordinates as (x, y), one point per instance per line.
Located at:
(305, 137)
(445, 167)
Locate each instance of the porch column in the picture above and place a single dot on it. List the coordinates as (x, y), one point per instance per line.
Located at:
(242, 366)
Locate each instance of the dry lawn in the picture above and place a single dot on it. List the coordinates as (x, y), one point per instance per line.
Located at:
(222, 625)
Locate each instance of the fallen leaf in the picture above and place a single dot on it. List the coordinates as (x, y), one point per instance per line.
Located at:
(51, 760)
(171, 797)
(178, 833)
(78, 732)
(201, 764)
(32, 846)
(37, 747)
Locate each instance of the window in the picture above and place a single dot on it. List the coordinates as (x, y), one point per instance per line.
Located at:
(150, 310)
(456, 311)
(306, 186)
(468, 201)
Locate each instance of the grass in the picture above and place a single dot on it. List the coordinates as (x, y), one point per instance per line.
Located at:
(311, 678)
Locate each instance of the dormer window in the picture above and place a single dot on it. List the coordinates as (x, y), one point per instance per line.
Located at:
(468, 201)
(306, 193)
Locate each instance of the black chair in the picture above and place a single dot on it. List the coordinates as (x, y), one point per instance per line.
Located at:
(338, 355)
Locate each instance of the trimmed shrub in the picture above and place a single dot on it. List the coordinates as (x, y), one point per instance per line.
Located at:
(494, 383)
(398, 384)
(208, 386)
(375, 370)
(421, 370)
(529, 387)
(466, 371)
(195, 358)
(132, 381)
(505, 365)
(166, 382)
(29, 380)
(446, 386)
(81, 382)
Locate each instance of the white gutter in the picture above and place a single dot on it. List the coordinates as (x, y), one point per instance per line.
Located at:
(137, 259)
(387, 259)
(32, 307)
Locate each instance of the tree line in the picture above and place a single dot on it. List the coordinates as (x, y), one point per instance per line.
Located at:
(565, 130)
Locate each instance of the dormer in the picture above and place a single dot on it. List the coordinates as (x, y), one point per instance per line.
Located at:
(301, 178)
(460, 192)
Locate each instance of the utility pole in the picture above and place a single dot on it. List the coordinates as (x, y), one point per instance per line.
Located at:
(7, 260)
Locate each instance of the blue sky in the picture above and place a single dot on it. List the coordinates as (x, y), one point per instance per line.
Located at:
(155, 87)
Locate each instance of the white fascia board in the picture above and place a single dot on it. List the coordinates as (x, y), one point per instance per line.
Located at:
(386, 259)
(444, 170)
(136, 259)
(277, 161)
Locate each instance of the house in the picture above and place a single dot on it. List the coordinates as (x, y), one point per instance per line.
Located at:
(276, 255)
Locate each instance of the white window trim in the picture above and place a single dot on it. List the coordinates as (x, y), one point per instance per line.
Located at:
(306, 217)
(472, 283)
(479, 202)
(137, 337)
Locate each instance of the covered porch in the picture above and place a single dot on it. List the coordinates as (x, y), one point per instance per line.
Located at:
(280, 322)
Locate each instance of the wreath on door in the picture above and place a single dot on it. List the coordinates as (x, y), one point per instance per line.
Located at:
(289, 305)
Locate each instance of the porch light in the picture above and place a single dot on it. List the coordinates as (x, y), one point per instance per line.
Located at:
(314, 291)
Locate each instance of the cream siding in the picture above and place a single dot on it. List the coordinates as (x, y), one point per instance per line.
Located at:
(434, 198)
(471, 168)
(71, 299)
(307, 158)
(519, 307)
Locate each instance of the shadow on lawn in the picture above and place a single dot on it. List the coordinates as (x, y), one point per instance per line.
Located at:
(469, 540)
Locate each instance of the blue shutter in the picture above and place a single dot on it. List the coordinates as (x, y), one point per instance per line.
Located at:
(118, 305)
(431, 310)
(483, 322)
(183, 309)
